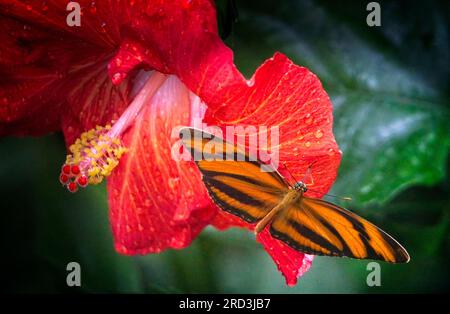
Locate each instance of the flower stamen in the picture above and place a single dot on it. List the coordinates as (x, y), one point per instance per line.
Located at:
(93, 157)
(97, 152)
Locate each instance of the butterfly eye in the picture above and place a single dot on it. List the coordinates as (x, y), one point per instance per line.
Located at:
(300, 186)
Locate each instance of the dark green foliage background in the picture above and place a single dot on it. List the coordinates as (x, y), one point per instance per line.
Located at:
(390, 88)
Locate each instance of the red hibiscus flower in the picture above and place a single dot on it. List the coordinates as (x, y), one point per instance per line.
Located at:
(146, 67)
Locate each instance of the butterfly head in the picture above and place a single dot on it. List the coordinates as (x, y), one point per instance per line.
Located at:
(300, 186)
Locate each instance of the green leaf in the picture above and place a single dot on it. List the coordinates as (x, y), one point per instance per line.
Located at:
(391, 119)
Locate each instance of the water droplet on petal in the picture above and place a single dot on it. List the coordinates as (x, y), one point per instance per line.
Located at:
(308, 119)
(117, 77)
(173, 182)
(103, 27)
(93, 8)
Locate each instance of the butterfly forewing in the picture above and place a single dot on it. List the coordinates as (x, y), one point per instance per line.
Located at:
(318, 227)
(237, 184)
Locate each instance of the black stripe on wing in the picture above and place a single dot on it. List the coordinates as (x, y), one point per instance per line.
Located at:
(208, 174)
(374, 249)
(232, 194)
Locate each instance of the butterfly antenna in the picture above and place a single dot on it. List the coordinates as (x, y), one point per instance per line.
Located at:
(342, 198)
(308, 171)
(290, 173)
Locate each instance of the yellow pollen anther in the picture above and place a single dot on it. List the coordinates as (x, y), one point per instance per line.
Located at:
(96, 153)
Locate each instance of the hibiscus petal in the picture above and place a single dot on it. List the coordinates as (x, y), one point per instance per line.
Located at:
(23, 81)
(42, 60)
(100, 20)
(224, 220)
(180, 39)
(41, 73)
(293, 264)
(292, 98)
(155, 201)
(93, 99)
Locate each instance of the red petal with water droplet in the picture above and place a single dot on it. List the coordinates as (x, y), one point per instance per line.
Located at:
(93, 99)
(291, 263)
(291, 97)
(50, 72)
(181, 39)
(155, 201)
(28, 101)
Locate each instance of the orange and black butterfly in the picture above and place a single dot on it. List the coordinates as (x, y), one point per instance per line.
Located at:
(309, 225)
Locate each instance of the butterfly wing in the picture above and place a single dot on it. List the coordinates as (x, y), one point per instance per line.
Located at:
(317, 227)
(236, 183)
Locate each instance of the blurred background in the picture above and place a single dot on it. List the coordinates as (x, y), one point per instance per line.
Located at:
(390, 89)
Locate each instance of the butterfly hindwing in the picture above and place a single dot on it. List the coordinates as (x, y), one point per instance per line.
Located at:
(317, 227)
(238, 185)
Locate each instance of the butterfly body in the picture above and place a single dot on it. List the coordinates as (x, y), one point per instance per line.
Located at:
(292, 197)
(260, 196)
